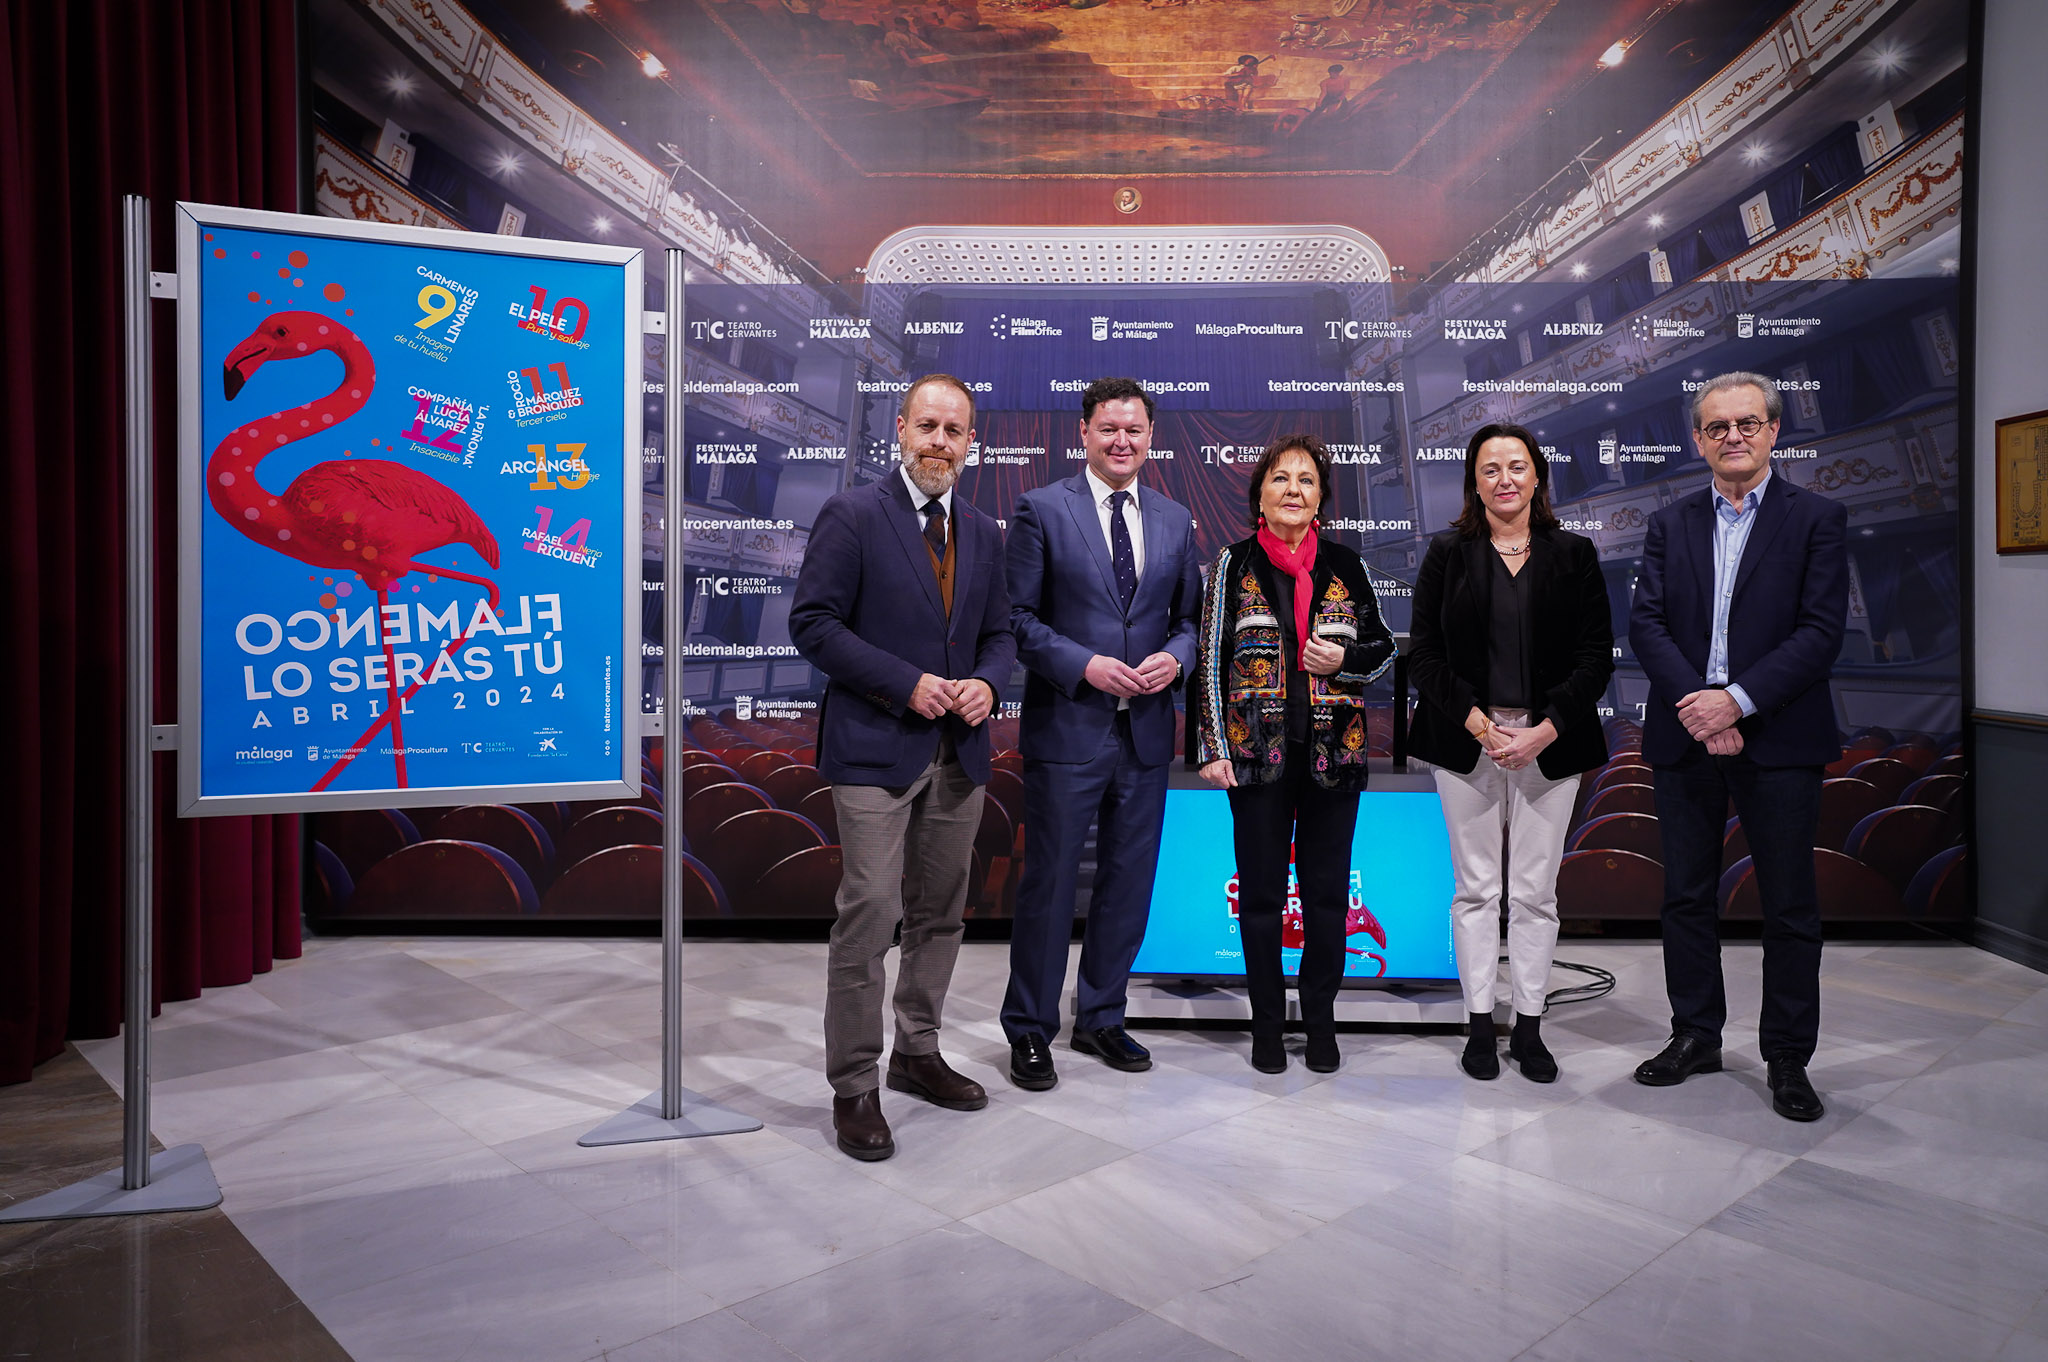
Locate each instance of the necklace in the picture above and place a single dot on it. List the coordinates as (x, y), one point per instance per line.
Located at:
(1498, 547)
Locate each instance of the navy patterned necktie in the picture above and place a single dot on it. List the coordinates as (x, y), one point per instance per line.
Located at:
(1121, 555)
(935, 526)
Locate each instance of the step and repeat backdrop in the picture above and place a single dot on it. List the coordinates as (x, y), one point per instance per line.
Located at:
(1807, 229)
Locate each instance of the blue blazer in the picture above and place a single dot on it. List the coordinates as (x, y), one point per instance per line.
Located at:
(1784, 624)
(868, 614)
(1064, 608)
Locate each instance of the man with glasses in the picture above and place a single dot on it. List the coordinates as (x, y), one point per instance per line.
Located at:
(1738, 617)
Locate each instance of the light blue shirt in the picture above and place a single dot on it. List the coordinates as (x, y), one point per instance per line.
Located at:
(1732, 525)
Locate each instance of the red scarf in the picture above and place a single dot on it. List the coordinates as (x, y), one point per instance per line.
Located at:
(1299, 563)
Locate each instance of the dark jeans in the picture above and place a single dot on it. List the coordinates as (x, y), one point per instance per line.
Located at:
(1293, 814)
(1780, 810)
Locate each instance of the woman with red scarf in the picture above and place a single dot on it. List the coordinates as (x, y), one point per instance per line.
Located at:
(1291, 634)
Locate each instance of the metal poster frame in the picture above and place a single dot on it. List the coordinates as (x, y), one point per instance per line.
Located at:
(192, 801)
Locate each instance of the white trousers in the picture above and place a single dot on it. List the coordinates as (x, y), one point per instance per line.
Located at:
(1505, 826)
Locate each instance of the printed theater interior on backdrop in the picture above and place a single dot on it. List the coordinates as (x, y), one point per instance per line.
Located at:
(1387, 222)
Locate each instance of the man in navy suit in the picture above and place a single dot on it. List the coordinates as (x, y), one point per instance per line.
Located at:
(901, 603)
(1104, 588)
(1737, 621)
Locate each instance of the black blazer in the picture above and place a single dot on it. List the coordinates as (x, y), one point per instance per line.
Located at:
(1571, 653)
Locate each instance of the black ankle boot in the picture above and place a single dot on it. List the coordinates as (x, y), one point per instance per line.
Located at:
(1268, 1055)
(1480, 1059)
(1321, 1053)
(1525, 1047)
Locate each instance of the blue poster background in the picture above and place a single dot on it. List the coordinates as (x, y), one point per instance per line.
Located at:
(410, 384)
(1400, 874)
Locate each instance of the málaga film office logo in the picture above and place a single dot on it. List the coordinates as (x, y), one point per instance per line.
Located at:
(1003, 326)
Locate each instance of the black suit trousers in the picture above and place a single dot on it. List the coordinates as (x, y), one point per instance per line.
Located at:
(1294, 814)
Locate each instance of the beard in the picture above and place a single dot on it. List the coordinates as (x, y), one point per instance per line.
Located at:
(933, 477)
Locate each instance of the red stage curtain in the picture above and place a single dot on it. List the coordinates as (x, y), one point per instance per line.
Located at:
(192, 99)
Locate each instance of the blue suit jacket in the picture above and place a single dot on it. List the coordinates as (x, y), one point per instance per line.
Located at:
(1064, 608)
(868, 614)
(1784, 623)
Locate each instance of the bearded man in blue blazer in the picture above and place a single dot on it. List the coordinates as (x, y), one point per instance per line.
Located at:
(1104, 588)
(1738, 617)
(900, 603)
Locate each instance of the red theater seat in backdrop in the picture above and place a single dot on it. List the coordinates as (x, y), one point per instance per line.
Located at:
(1623, 773)
(1622, 799)
(1734, 844)
(1854, 755)
(511, 830)
(1008, 787)
(788, 786)
(622, 825)
(1844, 802)
(1850, 891)
(819, 808)
(445, 879)
(332, 885)
(801, 885)
(1951, 765)
(697, 756)
(1897, 841)
(1635, 832)
(1942, 888)
(625, 882)
(1889, 776)
(752, 768)
(552, 818)
(705, 809)
(1936, 792)
(997, 836)
(742, 848)
(360, 838)
(1916, 757)
(704, 775)
(1609, 884)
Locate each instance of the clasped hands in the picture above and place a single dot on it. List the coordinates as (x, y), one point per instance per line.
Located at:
(971, 699)
(1122, 680)
(1709, 716)
(1511, 748)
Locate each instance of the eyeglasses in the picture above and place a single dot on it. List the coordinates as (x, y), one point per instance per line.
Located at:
(1748, 425)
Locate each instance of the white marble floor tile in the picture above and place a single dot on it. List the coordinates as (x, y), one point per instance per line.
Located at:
(1144, 1228)
(410, 1218)
(537, 985)
(324, 979)
(960, 1163)
(204, 1105)
(558, 1296)
(1736, 1104)
(1131, 1110)
(1334, 1293)
(1996, 1080)
(1717, 1299)
(2023, 1346)
(1682, 1174)
(1145, 1337)
(947, 1294)
(415, 1060)
(214, 1004)
(1987, 1167)
(1446, 1108)
(1580, 1340)
(297, 1157)
(610, 1177)
(1898, 1237)
(2030, 1011)
(466, 957)
(588, 1086)
(752, 1231)
(1315, 1160)
(1943, 978)
(719, 1337)
(1539, 1239)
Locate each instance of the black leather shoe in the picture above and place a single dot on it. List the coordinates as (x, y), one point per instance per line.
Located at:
(1269, 1056)
(1481, 1058)
(1321, 1053)
(1526, 1048)
(1113, 1046)
(1685, 1056)
(930, 1077)
(1031, 1064)
(858, 1123)
(1792, 1096)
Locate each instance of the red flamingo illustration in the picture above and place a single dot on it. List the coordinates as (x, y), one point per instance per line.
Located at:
(367, 516)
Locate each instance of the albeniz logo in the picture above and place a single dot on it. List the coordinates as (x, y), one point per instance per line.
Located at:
(815, 453)
(724, 330)
(738, 586)
(934, 328)
(1440, 454)
(1005, 327)
(1574, 329)
(1474, 329)
(839, 328)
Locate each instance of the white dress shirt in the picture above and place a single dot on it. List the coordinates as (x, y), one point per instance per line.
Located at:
(918, 497)
(1102, 492)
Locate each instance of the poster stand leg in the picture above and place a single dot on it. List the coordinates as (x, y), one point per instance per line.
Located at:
(178, 1179)
(674, 1113)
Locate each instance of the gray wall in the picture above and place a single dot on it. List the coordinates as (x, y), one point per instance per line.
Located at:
(2011, 644)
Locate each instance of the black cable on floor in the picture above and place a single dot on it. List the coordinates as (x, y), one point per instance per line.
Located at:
(1602, 985)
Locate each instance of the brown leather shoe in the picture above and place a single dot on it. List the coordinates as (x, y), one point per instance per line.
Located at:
(930, 1077)
(862, 1132)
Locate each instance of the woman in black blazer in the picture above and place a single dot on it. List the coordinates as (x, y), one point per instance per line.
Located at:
(1511, 647)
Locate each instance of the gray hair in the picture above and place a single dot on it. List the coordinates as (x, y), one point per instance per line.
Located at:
(1774, 401)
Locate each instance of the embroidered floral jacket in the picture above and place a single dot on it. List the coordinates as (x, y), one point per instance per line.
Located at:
(1239, 698)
